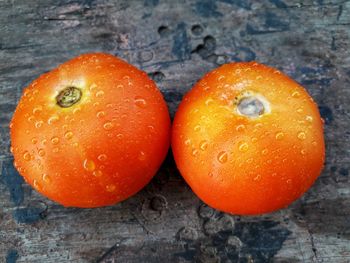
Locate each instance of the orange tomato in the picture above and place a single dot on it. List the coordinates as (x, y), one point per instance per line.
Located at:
(248, 139)
(91, 132)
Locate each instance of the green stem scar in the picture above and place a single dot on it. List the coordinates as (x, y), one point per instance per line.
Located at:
(68, 97)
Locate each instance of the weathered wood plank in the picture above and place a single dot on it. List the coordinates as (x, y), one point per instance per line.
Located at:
(176, 42)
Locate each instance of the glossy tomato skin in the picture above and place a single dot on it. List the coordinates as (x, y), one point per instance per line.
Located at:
(243, 164)
(100, 150)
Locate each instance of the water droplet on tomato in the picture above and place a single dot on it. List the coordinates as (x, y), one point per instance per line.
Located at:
(303, 151)
(55, 140)
(222, 157)
(92, 87)
(108, 126)
(102, 157)
(34, 140)
(37, 109)
(68, 135)
(195, 152)
(76, 110)
(26, 156)
(38, 124)
(309, 118)
(100, 114)
(254, 139)
(301, 136)
(257, 177)
(279, 135)
(36, 185)
(264, 152)
(240, 127)
(209, 101)
(299, 110)
(55, 150)
(295, 94)
(46, 178)
(187, 142)
(203, 145)
(97, 173)
(197, 128)
(41, 152)
(89, 165)
(140, 102)
(52, 119)
(120, 136)
(99, 94)
(110, 188)
(243, 147)
(141, 156)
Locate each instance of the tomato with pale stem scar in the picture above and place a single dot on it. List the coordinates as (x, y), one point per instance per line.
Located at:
(248, 139)
(91, 132)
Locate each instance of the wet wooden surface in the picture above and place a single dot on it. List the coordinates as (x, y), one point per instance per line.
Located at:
(176, 42)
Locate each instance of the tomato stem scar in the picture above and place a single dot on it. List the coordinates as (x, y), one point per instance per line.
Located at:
(251, 107)
(68, 96)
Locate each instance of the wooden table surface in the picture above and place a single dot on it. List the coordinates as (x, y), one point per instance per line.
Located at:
(176, 42)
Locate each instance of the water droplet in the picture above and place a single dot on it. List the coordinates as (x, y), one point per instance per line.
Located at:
(279, 135)
(120, 136)
(222, 157)
(300, 110)
(46, 178)
(197, 128)
(264, 152)
(34, 140)
(120, 86)
(97, 173)
(289, 181)
(102, 157)
(309, 118)
(203, 145)
(92, 87)
(110, 188)
(301, 135)
(68, 135)
(55, 140)
(314, 143)
(140, 102)
(76, 110)
(89, 165)
(209, 101)
(36, 185)
(37, 109)
(195, 152)
(243, 147)
(108, 126)
(38, 124)
(55, 150)
(141, 156)
(303, 151)
(100, 114)
(26, 156)
(295, 94)
(254, 139)
(31, 118)
(52, 119)
(41, 152)
(257, 177)
(99, 94)
(187, 142)
(96, 104)
(240, 127)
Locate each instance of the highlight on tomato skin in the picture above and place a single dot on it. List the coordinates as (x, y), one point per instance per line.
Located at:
(248, 139)
(91, 132)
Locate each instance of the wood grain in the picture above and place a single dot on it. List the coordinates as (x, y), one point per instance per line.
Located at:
(176, 42)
